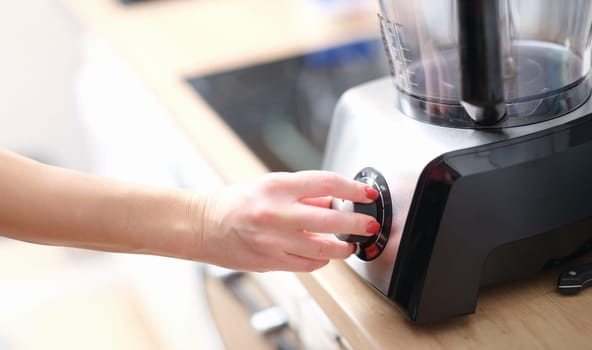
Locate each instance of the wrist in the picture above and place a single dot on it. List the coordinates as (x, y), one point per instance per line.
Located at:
(196, 217)
(175, 228)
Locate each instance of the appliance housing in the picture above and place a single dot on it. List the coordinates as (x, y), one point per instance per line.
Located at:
(469, 207)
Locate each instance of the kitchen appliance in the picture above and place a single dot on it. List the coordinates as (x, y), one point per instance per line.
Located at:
(482, 151)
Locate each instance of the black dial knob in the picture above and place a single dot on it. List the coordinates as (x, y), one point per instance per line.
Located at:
(369, 247)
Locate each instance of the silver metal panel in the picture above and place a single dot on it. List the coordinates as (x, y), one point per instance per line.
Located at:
(368, 130)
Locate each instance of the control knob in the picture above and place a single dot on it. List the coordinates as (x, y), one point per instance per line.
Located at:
(369, 247)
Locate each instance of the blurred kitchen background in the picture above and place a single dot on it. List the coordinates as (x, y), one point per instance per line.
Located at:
(67, 99)
(282, 109)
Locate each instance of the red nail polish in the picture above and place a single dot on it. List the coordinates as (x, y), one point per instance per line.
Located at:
(373, 227)
(371, 193)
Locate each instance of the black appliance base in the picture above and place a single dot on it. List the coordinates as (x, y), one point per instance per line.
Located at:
(492, 213)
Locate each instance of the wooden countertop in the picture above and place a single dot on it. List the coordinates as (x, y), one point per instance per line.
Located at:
(166, 41)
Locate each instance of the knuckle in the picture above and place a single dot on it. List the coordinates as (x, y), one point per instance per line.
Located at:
(359, 223)
(326, 222)
(326, 182)
(262, 215)
(323, 249)
(273, 182)
(345, 252)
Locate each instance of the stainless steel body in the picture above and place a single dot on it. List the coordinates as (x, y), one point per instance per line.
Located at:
(368, 130)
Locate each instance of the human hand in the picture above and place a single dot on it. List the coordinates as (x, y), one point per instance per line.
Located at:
(282, 221)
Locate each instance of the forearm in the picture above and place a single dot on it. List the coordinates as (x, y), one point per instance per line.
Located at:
(50, 205)
(276, 222)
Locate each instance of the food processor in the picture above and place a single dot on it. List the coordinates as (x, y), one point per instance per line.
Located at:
(481, 150)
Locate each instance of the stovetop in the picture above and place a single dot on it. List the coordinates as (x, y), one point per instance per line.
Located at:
(282, 109)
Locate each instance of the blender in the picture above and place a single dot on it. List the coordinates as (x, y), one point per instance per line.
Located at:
(481, 151)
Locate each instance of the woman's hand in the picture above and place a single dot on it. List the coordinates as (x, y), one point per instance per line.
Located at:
(281, 221)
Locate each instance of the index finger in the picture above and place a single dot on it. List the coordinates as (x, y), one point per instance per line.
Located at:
(318, 183)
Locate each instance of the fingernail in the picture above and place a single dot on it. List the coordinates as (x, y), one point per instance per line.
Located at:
(371, 193)
(373, 227)
(354, 248)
